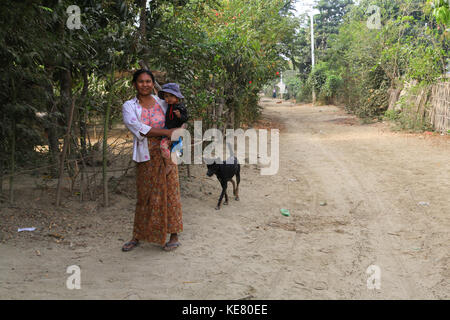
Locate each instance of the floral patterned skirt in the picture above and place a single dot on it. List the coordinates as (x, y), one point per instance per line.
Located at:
(158, 207)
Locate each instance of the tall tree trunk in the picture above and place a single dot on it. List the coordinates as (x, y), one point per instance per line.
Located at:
(220, 114)
(83, 113)
(237, 116)
(67, 101)
(13, 146)
(1, 175)
(105, 137)
(53, 144)
(66, 92)
(143, 27)
(142, 20)
(12, 162)
(63, 155)
(2, 153)
(52, 132)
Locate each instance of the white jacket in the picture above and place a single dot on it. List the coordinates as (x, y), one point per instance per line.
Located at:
(131, 111)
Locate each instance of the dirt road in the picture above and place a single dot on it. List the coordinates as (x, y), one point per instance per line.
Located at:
(359, 196)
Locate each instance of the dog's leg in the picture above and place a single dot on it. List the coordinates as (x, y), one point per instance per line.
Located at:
(224, 192)
(234, 187)
(226, 199)
(238, 180)
(220, 199)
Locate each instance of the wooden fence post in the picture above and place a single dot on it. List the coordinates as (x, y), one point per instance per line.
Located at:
(63, 155)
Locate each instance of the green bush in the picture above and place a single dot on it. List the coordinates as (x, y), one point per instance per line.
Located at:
(304, 93)
(294, 86)
(330, 89)
(392, 115)
(318, 77)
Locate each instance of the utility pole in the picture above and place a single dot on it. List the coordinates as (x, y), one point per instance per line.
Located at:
(308, 8)
(311, 14)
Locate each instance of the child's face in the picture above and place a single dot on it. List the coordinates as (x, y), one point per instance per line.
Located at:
(170, 98)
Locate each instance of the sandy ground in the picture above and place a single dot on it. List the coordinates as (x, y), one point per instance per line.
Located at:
(372, 181)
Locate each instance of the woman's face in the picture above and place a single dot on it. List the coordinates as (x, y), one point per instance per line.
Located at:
(144, 85)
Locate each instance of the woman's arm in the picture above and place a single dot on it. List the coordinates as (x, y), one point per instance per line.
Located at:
(130, 120)
(154, 132)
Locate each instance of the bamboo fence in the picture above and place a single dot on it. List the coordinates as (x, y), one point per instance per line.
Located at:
(428, 104)
(440, 107)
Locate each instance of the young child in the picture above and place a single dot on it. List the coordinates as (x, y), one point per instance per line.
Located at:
(176, 114)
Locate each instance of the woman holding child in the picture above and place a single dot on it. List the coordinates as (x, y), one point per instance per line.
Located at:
(158, 207)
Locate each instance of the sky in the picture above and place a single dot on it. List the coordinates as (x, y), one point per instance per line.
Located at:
(302, 6)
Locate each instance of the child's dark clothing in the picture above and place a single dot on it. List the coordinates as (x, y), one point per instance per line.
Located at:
(172, 121)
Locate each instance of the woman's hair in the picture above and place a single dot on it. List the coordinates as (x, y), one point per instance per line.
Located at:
(141, 71)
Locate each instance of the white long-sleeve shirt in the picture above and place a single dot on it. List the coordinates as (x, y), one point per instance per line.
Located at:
(131, 112)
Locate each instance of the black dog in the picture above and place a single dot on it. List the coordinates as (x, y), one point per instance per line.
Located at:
(225, 172)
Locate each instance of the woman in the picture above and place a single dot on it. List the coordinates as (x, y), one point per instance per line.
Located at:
(158, 207)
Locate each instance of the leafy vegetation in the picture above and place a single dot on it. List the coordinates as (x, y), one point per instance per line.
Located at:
(357, 65)
(221, 52)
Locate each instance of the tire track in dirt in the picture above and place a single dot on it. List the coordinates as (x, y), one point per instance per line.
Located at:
(371, 181)
(376, 208)
(282, 282)
(375, 211)
(384, 230)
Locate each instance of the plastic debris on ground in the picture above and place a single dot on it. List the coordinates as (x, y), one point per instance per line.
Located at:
(424, 204)
(25, 229)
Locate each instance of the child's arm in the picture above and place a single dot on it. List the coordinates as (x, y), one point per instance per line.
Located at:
(184, 113)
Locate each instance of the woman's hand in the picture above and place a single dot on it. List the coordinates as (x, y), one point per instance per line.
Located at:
(177, 113)
(170, 132)
(154, 132)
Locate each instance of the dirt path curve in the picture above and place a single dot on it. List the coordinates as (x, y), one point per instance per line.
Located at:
(372, 181)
